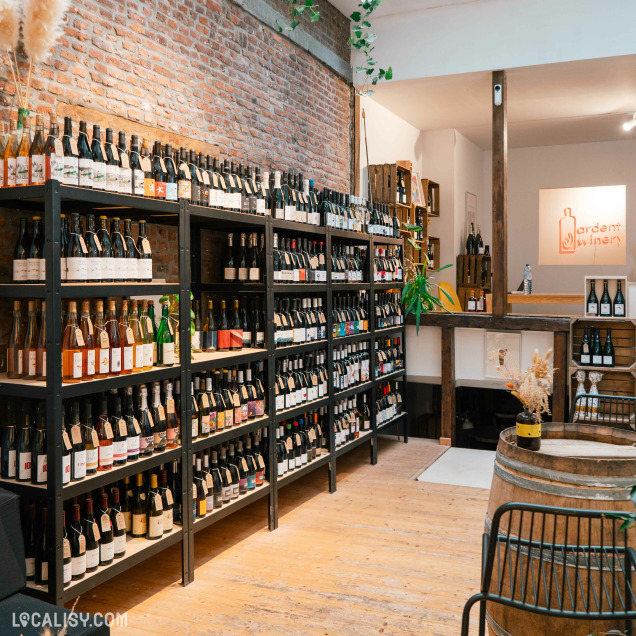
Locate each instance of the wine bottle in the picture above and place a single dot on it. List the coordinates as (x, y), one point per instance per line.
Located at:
(144, 255)
(23, 448)
(127, 340)
(147, 330)
(170, 174)
(608, 350)
(165, 339)
(34, 253)
(105, 438)
(138, 175)
(197, 334)
(36, 153)
(38, 450)
(138, 337)
(64, 236)
(90, 350)
(30, 542)
(167, 502)
(76, 253)
(98, 160)
(91, 439)
(93, 255)
(111, 162)
(125, 169)
(159, 419)
(229, 265)
(20, 254)
(139, 519)
(29, 350)
(597, 355)
(10, 155)
(184, 177)
(106, 541)
(78, 546)
(42, 553)
(118, 524)
(85, 158)
(72, 347)
(145, 162)
(22, 159)
(78, 448)
(606, 302)
(133, 430)
(103, 244)
(172, 421)
(591, 305)
(126, 502)
(619, 301)
(92, 535)
(155, 510)
(67, 565)
(146, 424)
(585, 352)
(120, 432)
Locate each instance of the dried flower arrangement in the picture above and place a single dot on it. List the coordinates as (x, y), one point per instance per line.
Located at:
(531, 387)
(41, 27)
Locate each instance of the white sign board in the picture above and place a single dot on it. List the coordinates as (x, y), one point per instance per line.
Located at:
(582, 226)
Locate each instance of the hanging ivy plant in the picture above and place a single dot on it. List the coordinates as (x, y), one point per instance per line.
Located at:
(361, 37)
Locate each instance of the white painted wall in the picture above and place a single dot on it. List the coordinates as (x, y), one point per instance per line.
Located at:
(483, 35)
(389, 137)
(574, 165)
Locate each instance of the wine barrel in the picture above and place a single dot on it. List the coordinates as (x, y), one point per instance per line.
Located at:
(578, 466)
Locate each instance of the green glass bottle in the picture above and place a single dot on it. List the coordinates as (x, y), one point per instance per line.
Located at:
(165, 339)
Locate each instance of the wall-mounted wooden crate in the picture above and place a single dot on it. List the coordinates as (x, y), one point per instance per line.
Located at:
(430, 190)
(470, 269)
(612, 286)
(435, 246)
(619, 379)
(383, 179)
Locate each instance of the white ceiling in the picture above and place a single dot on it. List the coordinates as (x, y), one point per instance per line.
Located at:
(392, 7)
(570, 102)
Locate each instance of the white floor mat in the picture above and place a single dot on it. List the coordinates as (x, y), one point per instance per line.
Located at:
(462, 467)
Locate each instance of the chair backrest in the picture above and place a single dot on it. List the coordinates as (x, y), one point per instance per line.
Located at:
(561, 560)
(617, 411)
(453, 304)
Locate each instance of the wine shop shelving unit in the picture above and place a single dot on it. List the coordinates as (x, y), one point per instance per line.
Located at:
(52, 199)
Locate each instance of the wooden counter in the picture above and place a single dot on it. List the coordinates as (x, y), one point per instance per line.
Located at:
(545, 299)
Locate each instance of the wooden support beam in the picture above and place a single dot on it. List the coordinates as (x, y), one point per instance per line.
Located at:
(560, 379)
(499, 195)
(448, 387)
(357, 124)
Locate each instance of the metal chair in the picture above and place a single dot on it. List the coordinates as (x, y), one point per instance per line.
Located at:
(558, 562)
(616, 411)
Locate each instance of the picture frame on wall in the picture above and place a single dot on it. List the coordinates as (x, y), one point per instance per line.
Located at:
(416, 190)
(502, 341)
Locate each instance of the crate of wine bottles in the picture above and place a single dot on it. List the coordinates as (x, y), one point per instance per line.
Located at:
(606, 296)
(391, 182)
(604, 343)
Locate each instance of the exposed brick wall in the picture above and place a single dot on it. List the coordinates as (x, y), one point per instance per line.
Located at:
(206, 69)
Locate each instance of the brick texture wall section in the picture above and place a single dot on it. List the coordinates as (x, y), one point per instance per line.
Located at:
(207, 70)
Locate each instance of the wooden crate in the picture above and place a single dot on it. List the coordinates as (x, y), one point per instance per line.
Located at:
(430, 190)
(613, 383)
(436, 247)
(468, 265)
(383, 179)
(612, 287)
(623, 338)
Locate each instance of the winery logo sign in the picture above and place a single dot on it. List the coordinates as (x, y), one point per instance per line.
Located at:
(582, 226)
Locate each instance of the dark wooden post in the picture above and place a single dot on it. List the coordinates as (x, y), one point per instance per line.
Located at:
(499, 195)
(560, 378)
(448, 386)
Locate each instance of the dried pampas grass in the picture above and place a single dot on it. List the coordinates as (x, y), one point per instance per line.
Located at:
(9, 24)
(41, 26)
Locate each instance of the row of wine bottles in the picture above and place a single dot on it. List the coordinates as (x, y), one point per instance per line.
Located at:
(350, 314)
(96, 531)
(299, 261)
(389, 356)
(388, 310)
(591, 351)
(231, 331)
(350, 365)
(226, 472)
(97, 345)
(225, 398)
(300, 441)
(388, 402)
(110, 429)
(300, 380)
(89, 254)
(476, 303)
(351, 417)
(606, 307)
(298, 320)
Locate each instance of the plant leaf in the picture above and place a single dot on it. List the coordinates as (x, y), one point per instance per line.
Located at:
(411, 227)
(414, 244)
(388, 74)
(450, 300)
(356, 16)
(315, 16)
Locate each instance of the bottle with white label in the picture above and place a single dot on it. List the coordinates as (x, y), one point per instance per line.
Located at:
(106, 541)
(38, 448)
(94, 252)
(85, 158)
(54, 154)
(119, 525)
(111, 164)
(8, 455)
(127, 340)
(72, 347)
(30, 542)
(10, 155)
(132, 275)
(165, 339)
(20, 254)
(29, 352)
(125, 171)
(144, 255)
(120, 431)
(36, 153)
(133, 428)
(23, 447)
(78, 450)
(78, 546)
(92, 534)
(107, 269)
(64, 235)
(76, 253)
(67, 565)
(34, 255)
(98, 159)
(71, 154)
(91, 440)
(155, 510)
(118, 246)
(138, 176)
(167, 501)
(89, 353)
(114, 339)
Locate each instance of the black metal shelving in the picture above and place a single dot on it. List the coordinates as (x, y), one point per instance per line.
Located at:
(53, 199)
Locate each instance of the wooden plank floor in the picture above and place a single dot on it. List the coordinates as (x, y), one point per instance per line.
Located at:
(385, 554)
